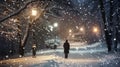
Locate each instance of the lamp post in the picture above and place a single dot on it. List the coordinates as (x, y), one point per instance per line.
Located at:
(55, 25)
(69, 34)
(53, 29)
(33, 17)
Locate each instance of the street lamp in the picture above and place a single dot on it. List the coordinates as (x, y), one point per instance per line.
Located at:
(33, 17)
(55, 24)
(34, 12)
(70, 31)
(95, 29)
(81, 29)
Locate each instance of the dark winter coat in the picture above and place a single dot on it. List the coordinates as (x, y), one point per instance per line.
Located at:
(34, 51)
(66, 47)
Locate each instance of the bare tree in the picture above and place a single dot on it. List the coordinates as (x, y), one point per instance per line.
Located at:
(107, 31)
(110, 27)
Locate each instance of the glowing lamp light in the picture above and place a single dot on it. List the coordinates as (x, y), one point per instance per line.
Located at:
(95, 29)
(70, 30)
(55, 24)
(34, 12)
(81, 29)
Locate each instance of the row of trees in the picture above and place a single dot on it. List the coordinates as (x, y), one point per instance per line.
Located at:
(17, 24)
(15, 20)
(20, 25)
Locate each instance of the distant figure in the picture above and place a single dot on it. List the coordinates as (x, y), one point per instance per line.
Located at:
(34, 50)
(66, 48)
(55, 46)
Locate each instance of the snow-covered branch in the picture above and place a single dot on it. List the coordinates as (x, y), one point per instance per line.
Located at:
(8, 33)
(11, 27)
(18, 11)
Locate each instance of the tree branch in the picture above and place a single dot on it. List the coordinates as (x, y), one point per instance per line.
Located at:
(18, 11)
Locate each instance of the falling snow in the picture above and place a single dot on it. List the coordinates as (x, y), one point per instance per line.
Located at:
(24, 23)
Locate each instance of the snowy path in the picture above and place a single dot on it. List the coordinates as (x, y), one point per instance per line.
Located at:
(77, 58)
(74, 44)
(57, 60)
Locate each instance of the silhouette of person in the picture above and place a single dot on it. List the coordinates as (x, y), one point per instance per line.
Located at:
(66, 47)
(34, 50)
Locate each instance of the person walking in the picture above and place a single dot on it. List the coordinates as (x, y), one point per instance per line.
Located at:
(66, 47)
(34, 50)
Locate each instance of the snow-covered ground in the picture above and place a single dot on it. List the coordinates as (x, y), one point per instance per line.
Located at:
(93, 55)
(74, 44)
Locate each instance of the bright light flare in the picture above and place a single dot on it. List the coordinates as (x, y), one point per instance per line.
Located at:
(70, 31)
(55, 24)
(95, 30)
(34, 12)
(81, 29)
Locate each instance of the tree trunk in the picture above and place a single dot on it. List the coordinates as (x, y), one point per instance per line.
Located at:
(111, 10)
(116, 37)
(17, 11)
(106, 29)
(117, 28)
(24, 41)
